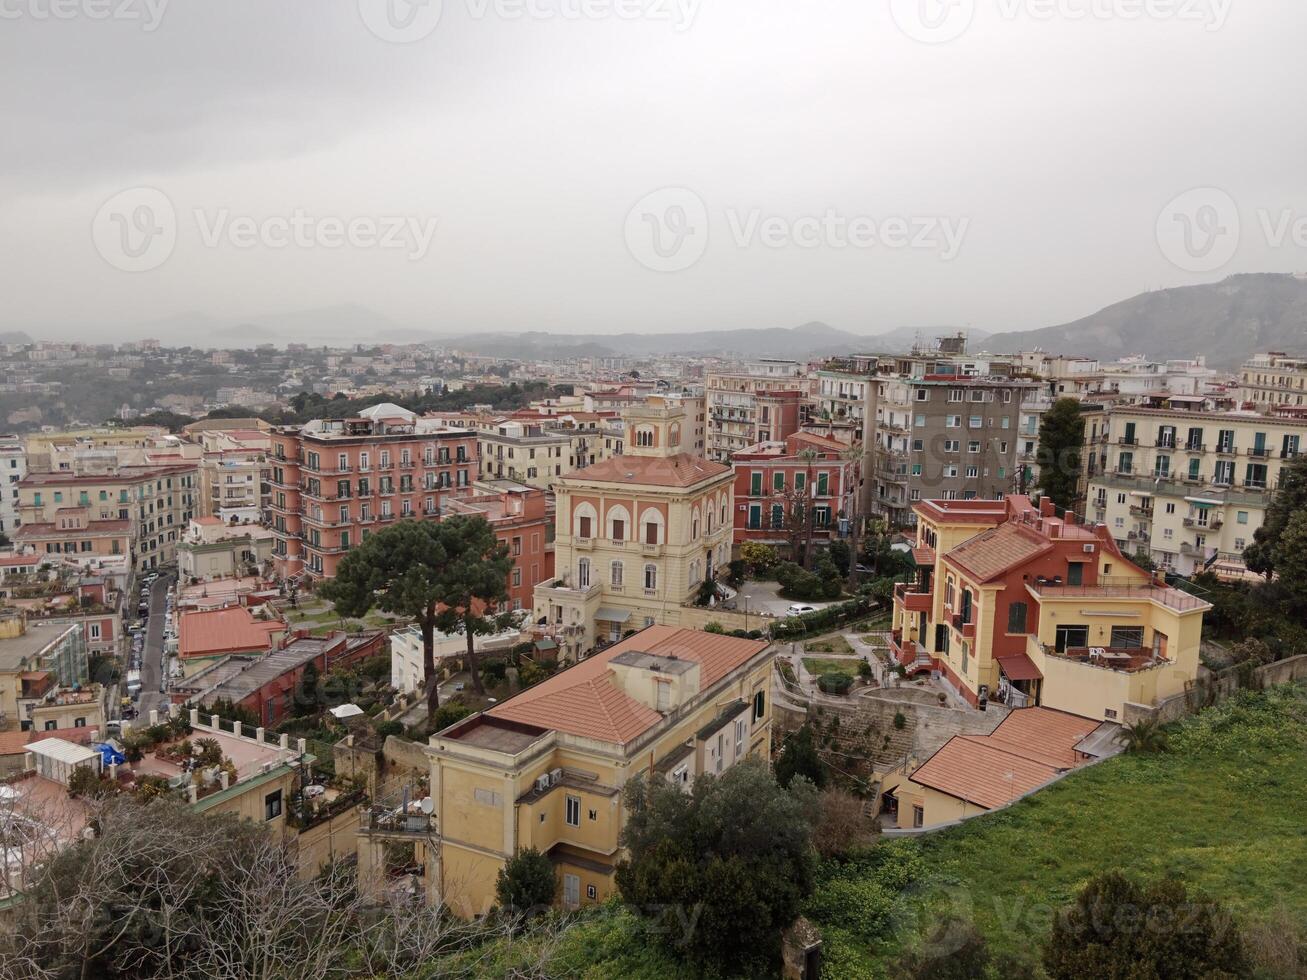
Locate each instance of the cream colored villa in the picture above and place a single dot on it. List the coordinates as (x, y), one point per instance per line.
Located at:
(637, 534)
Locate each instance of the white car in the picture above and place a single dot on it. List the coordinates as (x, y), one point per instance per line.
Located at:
(799, 608)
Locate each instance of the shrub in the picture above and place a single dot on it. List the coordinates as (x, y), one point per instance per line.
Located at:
(952, 949)
(864, 669)
(900, 721)
(494, 671)
(387, 728)
(1119, 928)
(799, 758)
(836, 682)
(526, 884)
(447, 714)
(714, 627)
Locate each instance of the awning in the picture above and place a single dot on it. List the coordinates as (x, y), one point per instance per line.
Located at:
(923, 556)
(1019, 667)
(612, 615)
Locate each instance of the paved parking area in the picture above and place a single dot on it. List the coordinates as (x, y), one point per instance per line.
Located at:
(766, 597)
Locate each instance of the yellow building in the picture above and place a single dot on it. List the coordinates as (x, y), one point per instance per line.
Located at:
(1189, 488)
(637, 534)
(1016, 605)
(545, 769)
(149, 504)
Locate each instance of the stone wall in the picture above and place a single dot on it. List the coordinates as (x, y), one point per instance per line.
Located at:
(401, 753)
(1213, 688)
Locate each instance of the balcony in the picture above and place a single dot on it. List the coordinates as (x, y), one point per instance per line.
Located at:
(911, 598)
(583, 544)
(651, 550)
(1195, 447)
(1145, 512)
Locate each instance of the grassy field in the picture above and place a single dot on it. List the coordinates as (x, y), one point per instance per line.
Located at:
(1223, 812)
(829, 644)
(816, 666)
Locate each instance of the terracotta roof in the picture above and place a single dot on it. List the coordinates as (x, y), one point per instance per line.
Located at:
(1028, 748)
(1052, 735)
(998, 550)
(981, 772)
(963, 511)
(923, 555)
(40, 529)
(211, 632)
(583, 700)
(681, 470)
(15, 742)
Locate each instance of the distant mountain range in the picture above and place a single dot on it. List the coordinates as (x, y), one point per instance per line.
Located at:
(1226, 321)
(808, 340)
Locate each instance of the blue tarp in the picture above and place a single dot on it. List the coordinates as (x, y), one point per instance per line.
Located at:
(109, 756)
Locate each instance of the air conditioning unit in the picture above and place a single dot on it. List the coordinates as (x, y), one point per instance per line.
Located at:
(555, 777)
(1089, 549)
(542, 783)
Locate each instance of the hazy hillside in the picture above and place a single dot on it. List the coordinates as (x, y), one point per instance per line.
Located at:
(809, 340)
(1227, 321)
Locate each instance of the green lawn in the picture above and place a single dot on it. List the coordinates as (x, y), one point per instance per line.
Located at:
(829, 644)
(1223, 812)
(816, 666)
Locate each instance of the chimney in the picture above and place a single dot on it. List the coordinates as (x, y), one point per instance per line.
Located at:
(1069, 517)
(1045, 507)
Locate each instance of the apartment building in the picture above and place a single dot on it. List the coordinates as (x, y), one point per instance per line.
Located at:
(951, 437)
(776, 481)
(537, 449)
(636, 535)
(1014, 604)
(13, 467)
(335, 480)
(212, 549)
(1188, 487)
(104, 508)
(520, 516)
(546, 768)
(1272, 381)
(35, 656)
(766, 401)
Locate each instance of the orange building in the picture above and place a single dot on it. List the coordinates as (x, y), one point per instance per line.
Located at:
(520, 518)
(336, 480)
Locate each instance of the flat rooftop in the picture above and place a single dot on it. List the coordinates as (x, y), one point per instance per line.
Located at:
(495, 734)
(16, 652)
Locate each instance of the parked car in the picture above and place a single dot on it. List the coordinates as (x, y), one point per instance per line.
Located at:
(799, 608)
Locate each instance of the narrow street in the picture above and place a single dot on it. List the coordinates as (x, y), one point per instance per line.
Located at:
(152, 667)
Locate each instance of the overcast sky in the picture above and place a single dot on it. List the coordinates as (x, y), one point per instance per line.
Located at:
(646, 165)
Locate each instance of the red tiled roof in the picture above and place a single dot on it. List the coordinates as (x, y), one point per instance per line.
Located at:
(681, 470)
(1029, 747)
(1052, 735)
(13, 743)
(981, 772)
(584, 701)
(998, 550)
(923, 556)
(211, 632)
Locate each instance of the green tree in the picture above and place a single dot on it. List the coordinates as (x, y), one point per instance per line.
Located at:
(799, 758)
(737, 848)
(399, 570)
(526, 883)
(1290, 563)
(1118, 928)
(472, 582)
(1061, 436)
(1290, 499)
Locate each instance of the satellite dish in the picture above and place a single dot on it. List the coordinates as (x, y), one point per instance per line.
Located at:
(428, 805)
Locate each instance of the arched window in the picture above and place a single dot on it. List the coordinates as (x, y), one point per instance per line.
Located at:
(584, 521)
(644, 436)
(651, 576)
